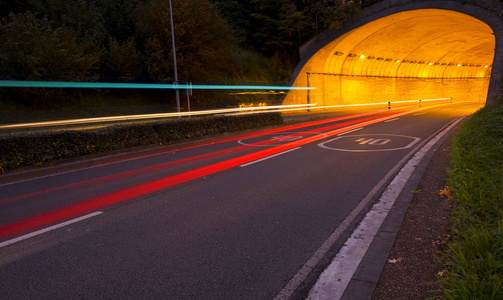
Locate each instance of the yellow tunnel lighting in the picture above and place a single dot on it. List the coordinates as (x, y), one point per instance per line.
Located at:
(397, 55)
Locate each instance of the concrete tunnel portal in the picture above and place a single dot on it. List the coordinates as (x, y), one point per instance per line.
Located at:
(425, 53)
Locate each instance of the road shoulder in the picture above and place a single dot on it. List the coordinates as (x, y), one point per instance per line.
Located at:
(403, 260)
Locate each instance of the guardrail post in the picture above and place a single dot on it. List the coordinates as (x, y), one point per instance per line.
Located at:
(308, 91)
(389, 105)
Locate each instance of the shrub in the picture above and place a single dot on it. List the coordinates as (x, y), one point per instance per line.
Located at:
(22, 150)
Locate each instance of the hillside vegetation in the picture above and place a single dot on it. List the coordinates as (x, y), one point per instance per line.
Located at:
(217, 42)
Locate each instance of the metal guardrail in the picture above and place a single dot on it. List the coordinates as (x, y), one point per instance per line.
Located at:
(419, 101)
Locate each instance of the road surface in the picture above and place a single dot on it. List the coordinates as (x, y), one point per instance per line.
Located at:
(230, 218)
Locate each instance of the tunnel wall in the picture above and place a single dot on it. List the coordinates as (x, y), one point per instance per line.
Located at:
(380, 80)
(382, 89)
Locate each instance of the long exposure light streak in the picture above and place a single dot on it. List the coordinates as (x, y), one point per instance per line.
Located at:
(279, 108)
(151, 116)
(201, 157)
(103, 201)
(106, 200)
(112, 85)
(380, 103)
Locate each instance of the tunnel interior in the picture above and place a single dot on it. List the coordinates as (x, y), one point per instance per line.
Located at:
(410, 55)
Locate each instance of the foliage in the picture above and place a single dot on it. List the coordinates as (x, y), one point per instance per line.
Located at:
(124, 59)
(272, 26)
(476, 260)
(133, 37)
(34, 48)
(45, 147)
(204, 43)
(119, 18)
(130, 40)
(329, 13)
(279, 21)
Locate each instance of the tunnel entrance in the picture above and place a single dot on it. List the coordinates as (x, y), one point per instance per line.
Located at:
(408, 55)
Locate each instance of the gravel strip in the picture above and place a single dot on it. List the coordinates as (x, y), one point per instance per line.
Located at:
(413, 263)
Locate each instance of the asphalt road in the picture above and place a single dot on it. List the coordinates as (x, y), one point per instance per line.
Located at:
(230, 218)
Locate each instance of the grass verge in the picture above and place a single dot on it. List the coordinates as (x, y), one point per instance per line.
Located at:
(36, 149)
(475, 258)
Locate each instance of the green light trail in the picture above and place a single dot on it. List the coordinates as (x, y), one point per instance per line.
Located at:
(110, 85)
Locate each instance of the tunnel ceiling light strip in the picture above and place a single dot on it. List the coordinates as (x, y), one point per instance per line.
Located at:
(370, 57)
(110, 85)
(397, 77)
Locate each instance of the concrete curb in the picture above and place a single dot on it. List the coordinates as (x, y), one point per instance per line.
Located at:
(367, 275)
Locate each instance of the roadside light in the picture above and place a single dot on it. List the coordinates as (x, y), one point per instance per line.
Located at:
(177, 92)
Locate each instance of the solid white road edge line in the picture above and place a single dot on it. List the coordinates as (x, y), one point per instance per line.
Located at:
(301, 275)
(271, 156)
(334, 280)
(50, 228)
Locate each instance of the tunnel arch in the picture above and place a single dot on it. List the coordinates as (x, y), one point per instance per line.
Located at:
(403, 50)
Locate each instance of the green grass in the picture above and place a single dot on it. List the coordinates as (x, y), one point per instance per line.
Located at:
(475, 259)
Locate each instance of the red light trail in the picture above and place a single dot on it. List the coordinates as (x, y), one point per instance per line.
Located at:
(100, 202)
(195, 158)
